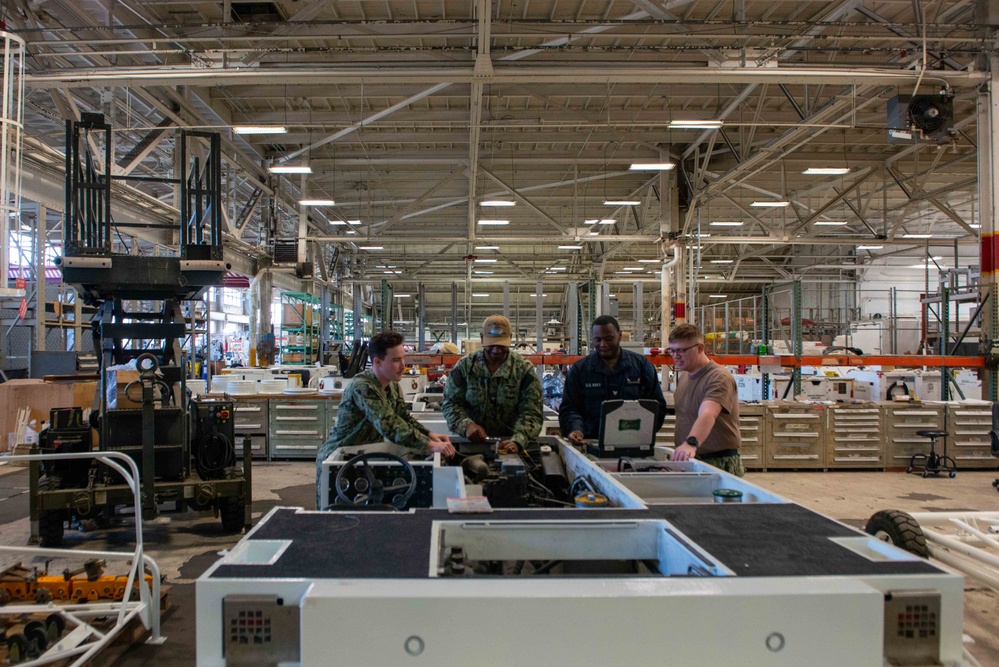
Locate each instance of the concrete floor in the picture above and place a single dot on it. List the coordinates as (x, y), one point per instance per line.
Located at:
(184, 546)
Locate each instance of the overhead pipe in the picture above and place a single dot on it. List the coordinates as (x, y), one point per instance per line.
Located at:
(665, 296)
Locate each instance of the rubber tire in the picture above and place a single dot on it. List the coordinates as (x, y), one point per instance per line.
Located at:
(54, 626)
(231, 512)
(900, 529)
(17, 649)
(37, 635)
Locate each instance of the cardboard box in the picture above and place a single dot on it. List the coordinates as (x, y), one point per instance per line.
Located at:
(296, 315)
(40, 397)
(116, 381)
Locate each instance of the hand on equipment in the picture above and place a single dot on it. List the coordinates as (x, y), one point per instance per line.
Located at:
(508, 447)
(475, 433)
(441, 443)
(576, 437)
(684, 453)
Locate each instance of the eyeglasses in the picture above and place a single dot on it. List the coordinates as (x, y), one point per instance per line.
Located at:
(674, 351)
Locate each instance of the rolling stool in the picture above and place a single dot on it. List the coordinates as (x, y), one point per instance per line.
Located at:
(932, 463)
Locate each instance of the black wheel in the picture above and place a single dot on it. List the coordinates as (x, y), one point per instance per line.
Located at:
(899, 529)
(231, 512)
(37, 641)
(953, 474)
(17, 649)
(54, 625)
(908, 469)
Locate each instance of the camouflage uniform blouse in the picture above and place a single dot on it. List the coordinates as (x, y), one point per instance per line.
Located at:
(506, 404)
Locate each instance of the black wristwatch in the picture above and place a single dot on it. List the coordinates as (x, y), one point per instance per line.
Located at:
(692, 441)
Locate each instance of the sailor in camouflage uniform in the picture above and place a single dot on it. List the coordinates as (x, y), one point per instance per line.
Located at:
(372, 409)
(494, 392)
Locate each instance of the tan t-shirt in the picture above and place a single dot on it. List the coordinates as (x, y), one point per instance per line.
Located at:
(715, 383)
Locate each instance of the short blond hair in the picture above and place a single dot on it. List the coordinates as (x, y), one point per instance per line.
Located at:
(689, 333)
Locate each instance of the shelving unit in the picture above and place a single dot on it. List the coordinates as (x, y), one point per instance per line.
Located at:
(300, 327)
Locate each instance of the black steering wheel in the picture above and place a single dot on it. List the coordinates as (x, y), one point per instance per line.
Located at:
(373, 490)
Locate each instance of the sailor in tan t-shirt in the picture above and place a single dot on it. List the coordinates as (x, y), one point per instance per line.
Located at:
(707, 404)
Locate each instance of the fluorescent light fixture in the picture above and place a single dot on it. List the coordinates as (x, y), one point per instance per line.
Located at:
(289, 169)
(483, 273)
(372, 247)
(723, 224)
(317, 202)
(917, 236)
(557, 268)
(487, 247)
(649, 261)
(826, 171)
(351, 231)
(632, 268)
(695, 124)
(870, 247)
(535, 295)
(651, 166)
(830, 223)
(259, 129)
(717, 296)
(704, 236)
(770, 204)
(591, 222)
(494, 223)
(497, 202)
(625, 273)
(353, 222)
(402, 296)
(975, 225)
(608, 221)
(480, 295)
(622, 202)
(480, 260)
(722, 261)
(570, 247)
(338, 223)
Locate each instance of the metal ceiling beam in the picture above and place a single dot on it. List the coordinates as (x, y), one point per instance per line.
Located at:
(415, 239)
(477, 75)
(407, 211)
(502, 74)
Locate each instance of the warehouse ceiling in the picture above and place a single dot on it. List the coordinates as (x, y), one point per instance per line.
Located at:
(412, 113)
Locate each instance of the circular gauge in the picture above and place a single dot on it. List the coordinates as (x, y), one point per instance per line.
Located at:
(361, 485)
(344, 484)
